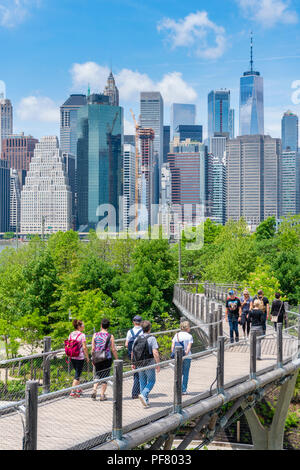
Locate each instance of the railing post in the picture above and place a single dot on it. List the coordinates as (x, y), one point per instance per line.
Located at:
(202, 308)
(286, 307)
(117, 400)
(220, 319)
(31, 413)
(279, 345)
(46, 365)
(206, 310)
(216, 328)
(220, 370)
(198, 306)
(211, 330)
(178, 380)
(299, 333)
(253, 341)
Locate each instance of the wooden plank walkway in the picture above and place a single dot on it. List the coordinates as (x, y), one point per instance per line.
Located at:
(67, 422)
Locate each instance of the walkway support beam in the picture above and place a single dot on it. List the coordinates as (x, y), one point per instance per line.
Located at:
(117, 400)
(31, 414)
(272, 438)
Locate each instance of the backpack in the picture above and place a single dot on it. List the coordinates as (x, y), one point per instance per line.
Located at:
(262, 306)
(140, 351)
(73, 346)
(131, 341)
(177, 344)
(100, 355)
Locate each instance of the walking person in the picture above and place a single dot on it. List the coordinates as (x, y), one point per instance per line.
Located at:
(103, 346)
(233, 313)
(245, 303)
(185, 338)
(130, 338)
(145, 353)
(278, 313)
(78, 361)
(256, 316)
(264, 306)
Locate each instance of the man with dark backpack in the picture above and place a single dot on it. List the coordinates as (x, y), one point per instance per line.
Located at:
(145, 353)
(130, 338)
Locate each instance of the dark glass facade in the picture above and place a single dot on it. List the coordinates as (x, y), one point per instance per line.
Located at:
(4, 196)
(195, 133)
(99, 160)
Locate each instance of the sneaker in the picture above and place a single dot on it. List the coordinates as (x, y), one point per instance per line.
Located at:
(103, 398)
(94, 395)
(144, 401)
(135, 397)
(184, 393)
(78, 392)
(73, 394)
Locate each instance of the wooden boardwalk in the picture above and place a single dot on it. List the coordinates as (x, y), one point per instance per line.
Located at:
(67, 422)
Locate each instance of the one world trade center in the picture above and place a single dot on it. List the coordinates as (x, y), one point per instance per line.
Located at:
(251, 101)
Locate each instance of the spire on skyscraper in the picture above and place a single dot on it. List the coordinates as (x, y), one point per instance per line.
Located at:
(251, 53)
(111, 90)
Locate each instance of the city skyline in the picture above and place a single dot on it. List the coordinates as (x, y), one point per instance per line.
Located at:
(164, 60)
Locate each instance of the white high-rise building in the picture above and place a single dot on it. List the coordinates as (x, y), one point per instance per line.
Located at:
(128, 184)
(15, 201)
(46, 198)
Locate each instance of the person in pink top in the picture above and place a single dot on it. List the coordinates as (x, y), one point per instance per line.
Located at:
(78, 361)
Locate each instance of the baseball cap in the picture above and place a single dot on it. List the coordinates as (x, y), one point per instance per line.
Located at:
(231, 292)
(137, 318)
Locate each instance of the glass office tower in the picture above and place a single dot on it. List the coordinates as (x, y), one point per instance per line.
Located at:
(99, 160)
(218, 112)
(182, 114)
(68, 123)
(251, 101)
(289, 131)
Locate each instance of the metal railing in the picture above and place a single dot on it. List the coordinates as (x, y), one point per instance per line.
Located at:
(205, 312)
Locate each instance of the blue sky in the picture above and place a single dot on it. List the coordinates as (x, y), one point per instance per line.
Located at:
(51, 48)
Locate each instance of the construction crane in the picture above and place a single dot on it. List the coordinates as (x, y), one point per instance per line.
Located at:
(137, 156)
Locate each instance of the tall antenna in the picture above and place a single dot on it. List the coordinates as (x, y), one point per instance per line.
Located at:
(251, 53)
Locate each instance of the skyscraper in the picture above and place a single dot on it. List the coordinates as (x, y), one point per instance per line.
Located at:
(192, 132)
(68, 123)
(251, 101)
(167, 140)
(15, 201)
(148, 195)
(218, 206)
(231, 123)
(112, 91)
(99, 161)
(218, 112)
(182, 114)
(188, 173)
(6, 119)
(46, 198)
(4, 196)
(128, 185)
(152, 117)
(252, 178)
(289, 131)
(289, 183)
(18, 151)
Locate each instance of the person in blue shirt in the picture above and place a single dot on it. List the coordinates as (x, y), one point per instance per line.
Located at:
(130, 338)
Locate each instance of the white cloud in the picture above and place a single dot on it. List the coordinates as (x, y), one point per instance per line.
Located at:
(196, 32)
(38, 108)
(268, 12)
(14, 12)
(130, 83)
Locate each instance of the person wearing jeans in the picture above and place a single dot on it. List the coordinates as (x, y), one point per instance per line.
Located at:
(185, 339)
(233, 314)
(147, 377)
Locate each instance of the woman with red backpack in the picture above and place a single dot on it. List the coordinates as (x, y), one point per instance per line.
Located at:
(77, 340)
(103, 346)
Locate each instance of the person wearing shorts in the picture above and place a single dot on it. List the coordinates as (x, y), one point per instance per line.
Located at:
(78, 362)
(102, 369)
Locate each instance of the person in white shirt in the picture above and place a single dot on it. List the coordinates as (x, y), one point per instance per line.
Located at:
(130, 338)
(186, 339)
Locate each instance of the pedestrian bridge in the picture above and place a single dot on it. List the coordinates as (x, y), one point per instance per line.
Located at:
(221, 373)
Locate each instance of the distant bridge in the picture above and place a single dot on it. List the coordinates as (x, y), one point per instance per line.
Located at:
(222, 374)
